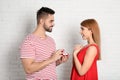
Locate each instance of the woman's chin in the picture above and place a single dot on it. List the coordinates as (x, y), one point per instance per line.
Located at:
(83, 38)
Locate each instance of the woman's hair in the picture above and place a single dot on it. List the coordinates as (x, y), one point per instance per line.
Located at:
(92, 25)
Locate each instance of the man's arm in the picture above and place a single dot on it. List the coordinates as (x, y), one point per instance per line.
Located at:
(64, 58)
(30, 66)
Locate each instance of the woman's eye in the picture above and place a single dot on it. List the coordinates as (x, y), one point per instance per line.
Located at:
(82, 29)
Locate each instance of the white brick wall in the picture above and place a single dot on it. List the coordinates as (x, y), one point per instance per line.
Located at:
(17, 19)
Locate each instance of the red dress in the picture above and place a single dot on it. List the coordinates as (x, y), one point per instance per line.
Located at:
(92, 72)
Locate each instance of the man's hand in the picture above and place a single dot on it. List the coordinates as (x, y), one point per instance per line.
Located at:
(64, 58)
(57, 55)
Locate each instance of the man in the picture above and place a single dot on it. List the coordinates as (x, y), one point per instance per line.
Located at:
(38, 53)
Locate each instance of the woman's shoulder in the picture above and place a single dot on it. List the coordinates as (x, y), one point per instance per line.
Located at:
(92, 45)
(93, 48)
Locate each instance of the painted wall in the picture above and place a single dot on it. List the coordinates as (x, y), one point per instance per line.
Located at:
(18, 19)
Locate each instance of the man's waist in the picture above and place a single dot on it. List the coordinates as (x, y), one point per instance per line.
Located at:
(45, 79)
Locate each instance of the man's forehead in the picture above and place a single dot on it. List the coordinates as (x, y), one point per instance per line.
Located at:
(51, 17)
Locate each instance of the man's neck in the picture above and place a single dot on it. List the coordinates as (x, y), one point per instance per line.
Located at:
(40, 32)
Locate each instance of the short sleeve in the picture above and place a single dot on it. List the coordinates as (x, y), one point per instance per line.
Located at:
(27, 49)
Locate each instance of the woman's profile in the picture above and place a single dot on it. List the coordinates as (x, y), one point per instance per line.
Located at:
(85, 57)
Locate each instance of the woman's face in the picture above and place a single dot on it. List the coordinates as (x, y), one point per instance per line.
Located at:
(85, 32)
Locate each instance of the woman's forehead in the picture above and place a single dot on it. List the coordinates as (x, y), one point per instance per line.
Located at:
(83, 27)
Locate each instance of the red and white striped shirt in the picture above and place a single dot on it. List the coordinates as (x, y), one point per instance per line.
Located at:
(39, 49)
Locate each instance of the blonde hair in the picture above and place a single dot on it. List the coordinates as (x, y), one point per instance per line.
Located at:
(92, 25)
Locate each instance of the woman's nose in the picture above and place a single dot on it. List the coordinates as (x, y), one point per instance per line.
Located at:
(80, 31)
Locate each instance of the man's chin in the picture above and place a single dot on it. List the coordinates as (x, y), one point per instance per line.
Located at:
(49, 30)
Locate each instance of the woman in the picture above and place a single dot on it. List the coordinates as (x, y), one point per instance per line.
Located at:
(85, 57)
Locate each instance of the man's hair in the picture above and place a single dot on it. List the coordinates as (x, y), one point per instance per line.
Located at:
(43, 12)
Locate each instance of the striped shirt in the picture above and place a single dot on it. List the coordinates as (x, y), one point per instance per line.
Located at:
(39, 49)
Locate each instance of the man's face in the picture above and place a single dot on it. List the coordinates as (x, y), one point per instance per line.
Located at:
(49, 23)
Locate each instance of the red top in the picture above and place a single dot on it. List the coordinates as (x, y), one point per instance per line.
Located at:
(92, 72)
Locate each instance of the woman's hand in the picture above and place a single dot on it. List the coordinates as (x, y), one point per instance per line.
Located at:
(77, 48)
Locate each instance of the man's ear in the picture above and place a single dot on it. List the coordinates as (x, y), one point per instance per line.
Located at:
(41, 21)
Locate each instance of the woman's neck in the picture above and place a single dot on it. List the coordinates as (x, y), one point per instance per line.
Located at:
(91, 41)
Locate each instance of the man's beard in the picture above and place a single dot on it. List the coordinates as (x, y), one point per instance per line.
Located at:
(48, 29)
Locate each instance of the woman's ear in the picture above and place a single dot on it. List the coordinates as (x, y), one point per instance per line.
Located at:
(91, 31)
